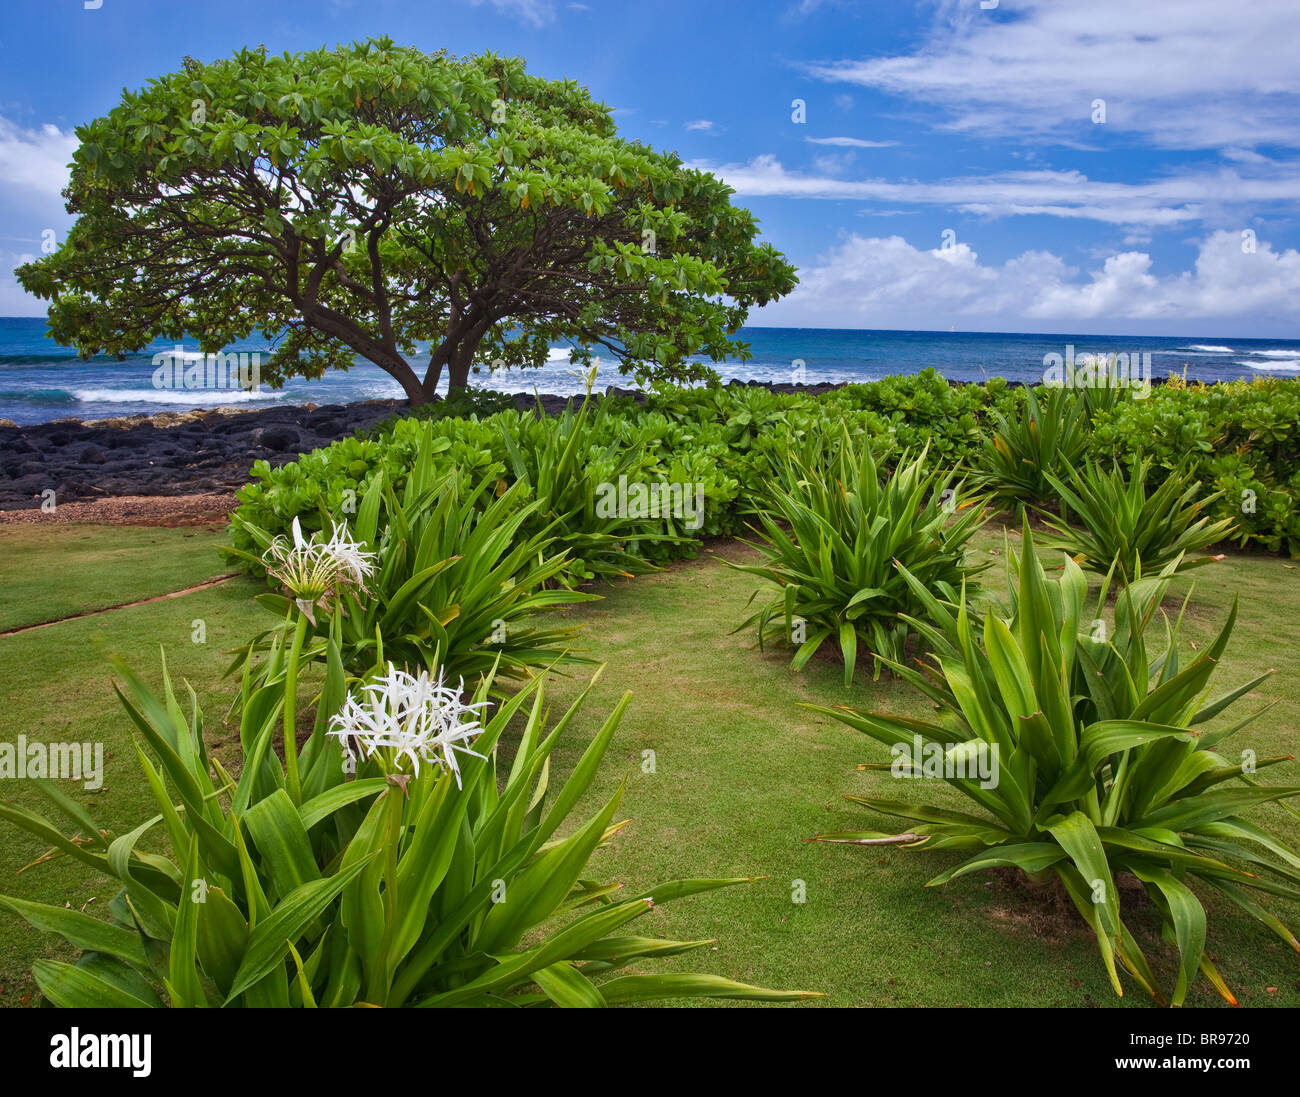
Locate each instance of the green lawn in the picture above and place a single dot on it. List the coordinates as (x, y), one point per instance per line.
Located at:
(742, 776)
(55, 681)
(57, 570)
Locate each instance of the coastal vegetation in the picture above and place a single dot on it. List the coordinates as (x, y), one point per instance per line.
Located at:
(1237, 440)
(385, 759)
(435, 873)
(841, 544)
(731, 742)
(427, 587)
(1100, 764)
(356, 202)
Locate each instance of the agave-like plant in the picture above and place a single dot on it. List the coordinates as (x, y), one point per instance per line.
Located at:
(417, 868)
(1019, 455)
(831, 535)
(1127, 527)
(1104, 764)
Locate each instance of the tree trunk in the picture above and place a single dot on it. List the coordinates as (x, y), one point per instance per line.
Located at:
(404, 375)
(458, 358)
(458, 374)
(458, 366)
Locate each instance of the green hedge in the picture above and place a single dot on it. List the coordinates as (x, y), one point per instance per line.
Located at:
(1240, 437)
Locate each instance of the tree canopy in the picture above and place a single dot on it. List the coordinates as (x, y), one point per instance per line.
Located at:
(355, 202)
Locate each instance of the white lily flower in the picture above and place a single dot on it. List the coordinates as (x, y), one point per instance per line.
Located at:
(348, 555)
(313, 570)
(413, 716)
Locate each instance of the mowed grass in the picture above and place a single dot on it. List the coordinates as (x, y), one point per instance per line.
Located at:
(54, 571)
(55, 685)
(741, 777)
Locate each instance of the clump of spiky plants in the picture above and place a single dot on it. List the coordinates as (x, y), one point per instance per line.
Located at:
(420, 868)
(1118, 521)
(1107, 757)
(832, 532)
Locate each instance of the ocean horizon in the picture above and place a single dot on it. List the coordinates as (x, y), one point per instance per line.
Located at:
(41, 381)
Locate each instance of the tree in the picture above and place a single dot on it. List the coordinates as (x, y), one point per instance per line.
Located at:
(353, 202)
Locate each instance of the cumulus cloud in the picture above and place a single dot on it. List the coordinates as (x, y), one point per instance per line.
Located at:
(886, 282)
(14, 300)
(35, 160)
(1193, 74)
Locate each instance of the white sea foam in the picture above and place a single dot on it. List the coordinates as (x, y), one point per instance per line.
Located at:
(1285, 353)
(1287, 366)
(190, 397)
(560, 378)
(1207, 348)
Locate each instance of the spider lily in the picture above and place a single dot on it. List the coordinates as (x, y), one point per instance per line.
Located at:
(315, 570)
(409, 716)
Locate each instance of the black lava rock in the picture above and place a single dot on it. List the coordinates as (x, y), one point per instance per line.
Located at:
(276, 437)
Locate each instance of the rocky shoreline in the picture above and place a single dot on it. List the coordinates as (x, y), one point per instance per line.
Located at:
(189, 453)
(171, 453)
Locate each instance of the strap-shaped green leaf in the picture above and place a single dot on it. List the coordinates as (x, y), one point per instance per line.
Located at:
(92, 934)
(183, 976)
(1186, 916)
(566, 986)
(281, 838)
(268, 944)
(646, 988)
(71, 987)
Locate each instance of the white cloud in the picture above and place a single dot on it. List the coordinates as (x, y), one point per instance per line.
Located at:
(850, 142)
(703, 125)
(886, 282)
(35, 160)
(833, 163)
(536, 13)
(1223, 195)
(14, 300)
(1191, 74)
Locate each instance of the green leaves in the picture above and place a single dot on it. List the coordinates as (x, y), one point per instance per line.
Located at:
(463, 179)
(81, 930)
(1022, 452)
(842, 539)
(1131, 528)
(643, 988)
(74, 987)
(269, 943)
(387, 889)
(1099, 770)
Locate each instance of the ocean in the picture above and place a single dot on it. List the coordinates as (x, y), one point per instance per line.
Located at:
(40, 381)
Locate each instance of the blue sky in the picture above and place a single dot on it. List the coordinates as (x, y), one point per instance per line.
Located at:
(1116, 166)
